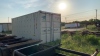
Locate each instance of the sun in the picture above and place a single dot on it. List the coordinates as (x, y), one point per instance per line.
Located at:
(62, 6)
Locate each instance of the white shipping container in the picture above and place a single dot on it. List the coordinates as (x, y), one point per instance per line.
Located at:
(0, 28)
(72, 25)
(5, 27)
(40, 25)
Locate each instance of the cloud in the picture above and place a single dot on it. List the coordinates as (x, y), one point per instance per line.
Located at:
(6, 5)
(36, 3)
(53, 3)
(9, 6)
(28, 3)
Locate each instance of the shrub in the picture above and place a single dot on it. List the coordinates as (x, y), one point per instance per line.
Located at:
(92, 39)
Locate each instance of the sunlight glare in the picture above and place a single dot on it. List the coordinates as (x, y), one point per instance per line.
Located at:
(62, 6)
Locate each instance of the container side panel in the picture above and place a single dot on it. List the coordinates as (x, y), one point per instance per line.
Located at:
(5, 27)
(25, 26)
(1, 28)
(10, 27)
(56, 26)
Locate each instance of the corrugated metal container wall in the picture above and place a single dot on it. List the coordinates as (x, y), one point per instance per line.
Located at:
(5, 27)
(39, 26)
(0, 28)
(50, 26)
(10, 27)
(25, 26)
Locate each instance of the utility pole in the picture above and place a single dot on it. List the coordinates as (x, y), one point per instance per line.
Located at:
(66, 19)
(97, 23)
(96, 13)
(8, 19)
(8, 24)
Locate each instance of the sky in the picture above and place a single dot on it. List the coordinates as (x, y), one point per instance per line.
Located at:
(76, 10)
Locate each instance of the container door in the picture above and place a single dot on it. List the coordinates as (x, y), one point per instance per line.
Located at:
(56, 27)
(45, 27)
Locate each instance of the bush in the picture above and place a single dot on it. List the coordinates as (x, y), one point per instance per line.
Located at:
(86, 43)
(93, 39)
(92, 27)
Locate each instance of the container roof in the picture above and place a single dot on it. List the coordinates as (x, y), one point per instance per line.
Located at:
(5, 23)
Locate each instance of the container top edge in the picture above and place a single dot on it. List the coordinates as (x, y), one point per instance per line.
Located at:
(36, 12)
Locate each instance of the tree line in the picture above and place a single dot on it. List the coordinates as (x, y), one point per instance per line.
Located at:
(85, 22)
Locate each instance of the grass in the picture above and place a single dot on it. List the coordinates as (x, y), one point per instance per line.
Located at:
(92, 28)
(82, 43)
(86, 43)
(62, 27)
